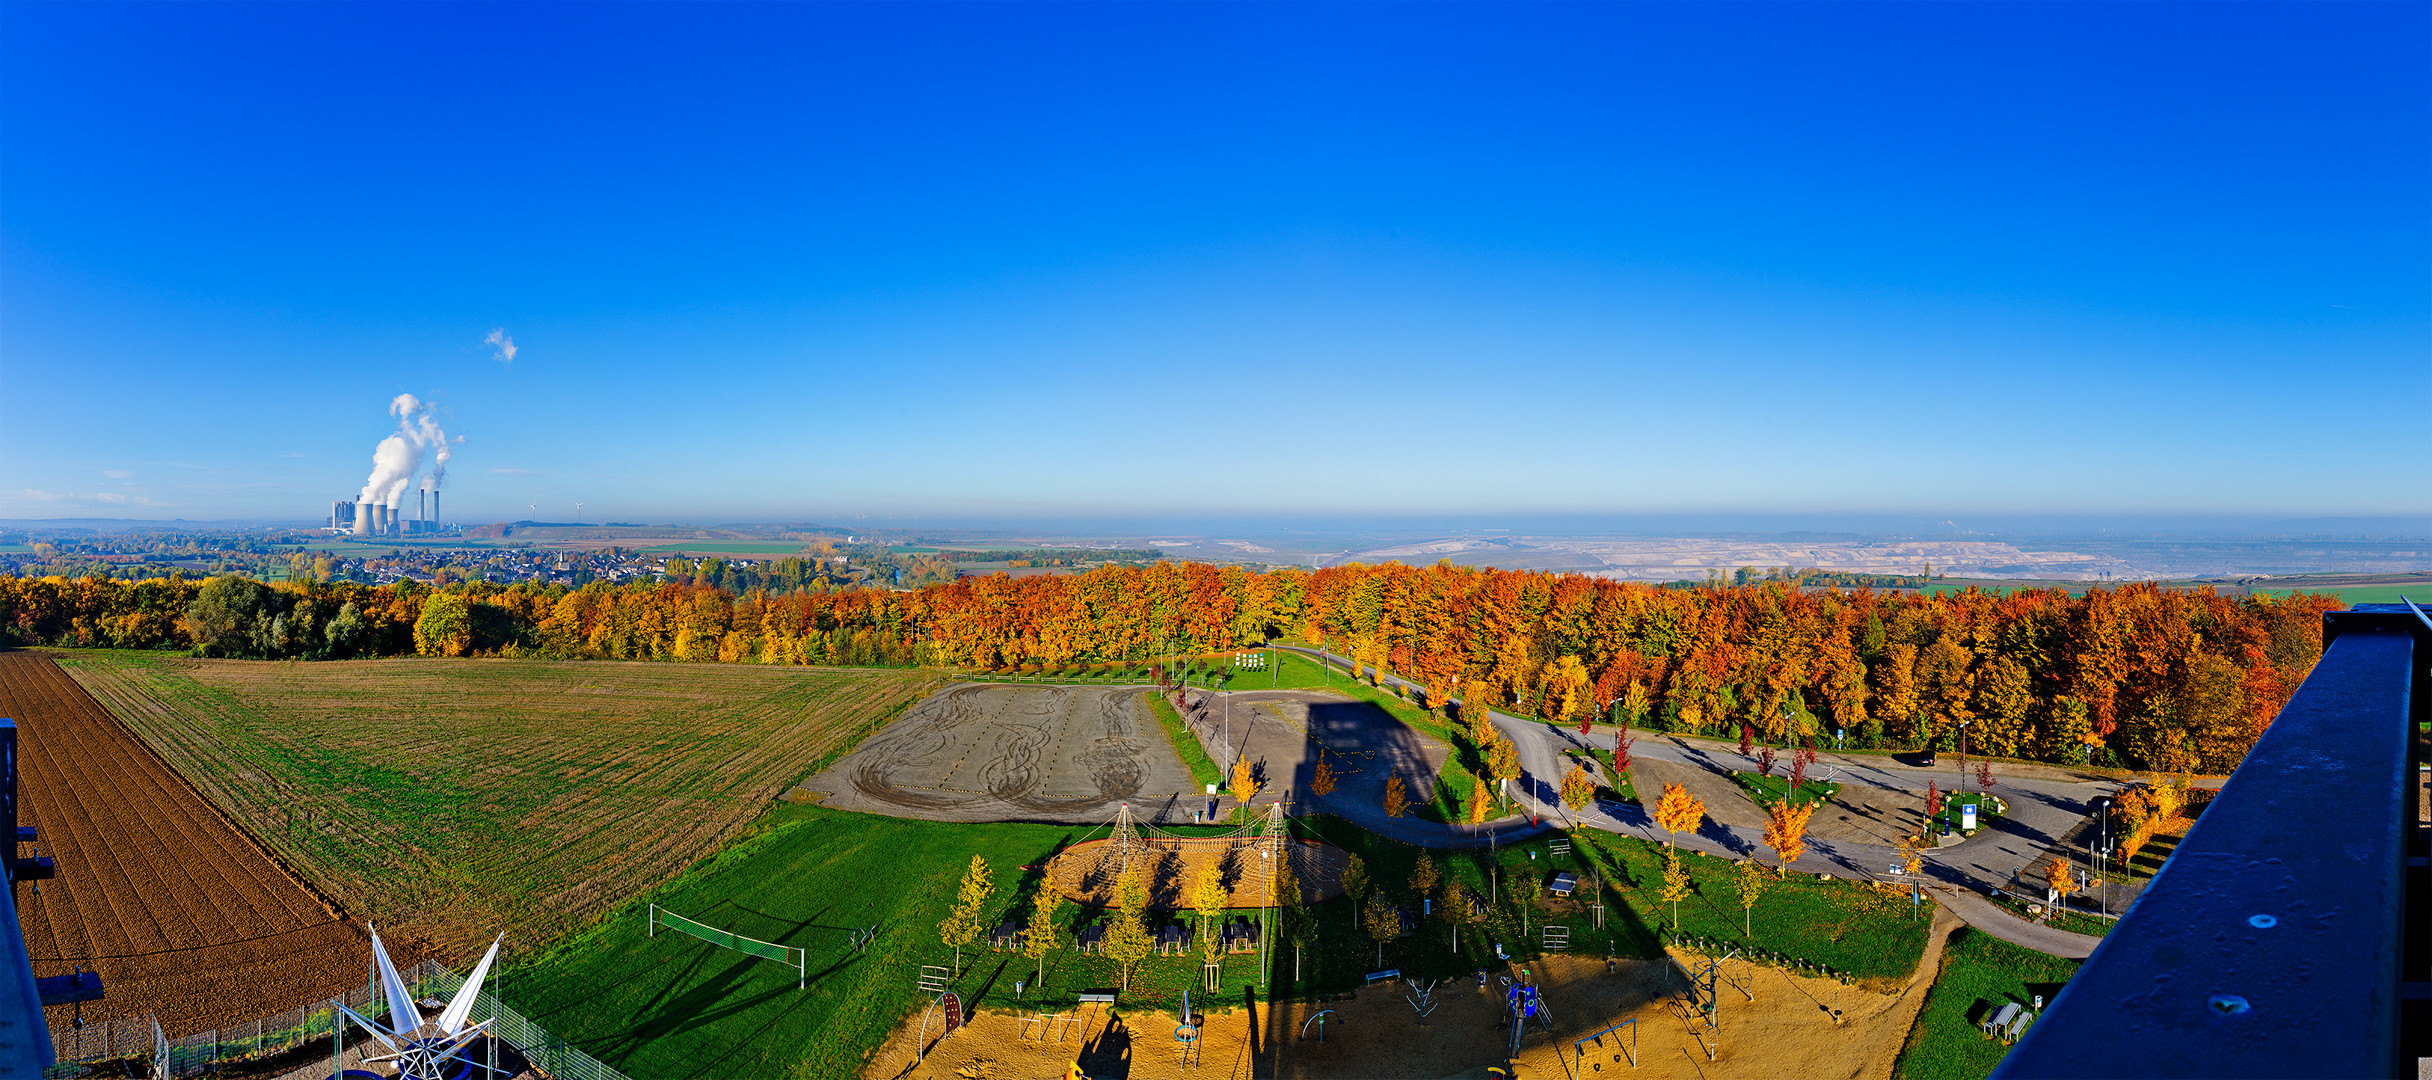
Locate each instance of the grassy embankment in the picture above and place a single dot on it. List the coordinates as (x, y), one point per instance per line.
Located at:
(1767, 790)
(1979, 974)
(453, 799)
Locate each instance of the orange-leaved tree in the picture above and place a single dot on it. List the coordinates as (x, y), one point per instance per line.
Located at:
(1678, 812)
(2058, 875)
(1321, 779)
(1787, 831)
(1481, 800)
(1397, 797)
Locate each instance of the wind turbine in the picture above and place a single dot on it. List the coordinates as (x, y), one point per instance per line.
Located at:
(416, 1055)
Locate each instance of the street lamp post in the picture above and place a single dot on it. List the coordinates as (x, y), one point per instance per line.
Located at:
(2102, 850)
(1963, 757)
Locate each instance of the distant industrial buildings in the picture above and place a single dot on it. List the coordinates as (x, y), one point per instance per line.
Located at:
(380, 519)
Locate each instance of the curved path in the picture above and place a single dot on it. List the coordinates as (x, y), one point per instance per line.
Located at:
(2045, 802)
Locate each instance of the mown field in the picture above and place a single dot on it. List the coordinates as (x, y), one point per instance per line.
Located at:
(453, 799)
(1980, 973)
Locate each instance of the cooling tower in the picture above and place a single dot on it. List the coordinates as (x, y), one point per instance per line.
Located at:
(363, 519)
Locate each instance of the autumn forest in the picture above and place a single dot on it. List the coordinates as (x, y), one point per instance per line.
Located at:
(2138, 676)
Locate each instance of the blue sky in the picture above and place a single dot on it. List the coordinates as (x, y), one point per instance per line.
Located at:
(1007, 262)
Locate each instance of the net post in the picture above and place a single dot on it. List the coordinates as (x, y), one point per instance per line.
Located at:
(654, 922)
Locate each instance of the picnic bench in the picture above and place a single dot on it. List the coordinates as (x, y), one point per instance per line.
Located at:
(1561, 884)
(1008, 935)
(1171, 939)
(1091, 939)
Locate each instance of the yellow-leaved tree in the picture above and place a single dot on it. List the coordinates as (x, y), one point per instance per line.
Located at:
(1245, 780)
(962, 924)
(1127, 940)
(1321, 779)
(1676, 885)
(1481, 800)
(1397, 797)
(1040, 938)
(1577, 789)
(1678, 812)
(1208, 901)
(1750, 878)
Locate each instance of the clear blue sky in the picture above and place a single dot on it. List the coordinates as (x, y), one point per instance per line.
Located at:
(1002, 262)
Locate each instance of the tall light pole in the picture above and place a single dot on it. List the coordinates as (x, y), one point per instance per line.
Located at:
(2101, 853)
(1963, 756)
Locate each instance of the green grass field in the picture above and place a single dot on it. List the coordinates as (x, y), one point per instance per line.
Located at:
(675, 1006)
(1979, 974)
(734, 547)
(452, 799)
(2371, 594)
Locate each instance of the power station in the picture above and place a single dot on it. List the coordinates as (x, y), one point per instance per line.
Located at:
(371, 518)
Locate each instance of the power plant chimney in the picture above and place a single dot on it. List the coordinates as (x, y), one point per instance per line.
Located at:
(423, 512)
(434, 508)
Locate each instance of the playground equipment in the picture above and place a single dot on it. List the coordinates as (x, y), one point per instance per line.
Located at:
(423, 1049)
(1318, 1018)
(1705, 981)
(1579, 1049)
(1522, 1003)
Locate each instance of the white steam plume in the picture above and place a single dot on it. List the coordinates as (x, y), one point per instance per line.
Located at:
(399, 458)
(505, 345)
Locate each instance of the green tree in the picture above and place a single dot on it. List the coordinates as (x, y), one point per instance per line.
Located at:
(1355, 878)
(1127, 938)
(1208, 899)
(1750, 878)
(1300, 923)
(1040, 939)
(223, 615)
(446, 625)
(962, 925)
(1676, 885)
(1381, 921)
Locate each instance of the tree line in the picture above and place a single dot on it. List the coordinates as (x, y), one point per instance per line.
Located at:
(2136, 676)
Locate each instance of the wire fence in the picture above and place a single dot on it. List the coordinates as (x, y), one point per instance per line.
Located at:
(139, 1037)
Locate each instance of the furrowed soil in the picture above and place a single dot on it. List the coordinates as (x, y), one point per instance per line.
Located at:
(183, 915)
(453, 799)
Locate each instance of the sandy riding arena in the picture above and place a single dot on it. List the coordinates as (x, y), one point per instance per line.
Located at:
(184, 916)
(1066, 754)
(1379, 1034)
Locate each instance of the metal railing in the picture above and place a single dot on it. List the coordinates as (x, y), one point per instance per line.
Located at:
(2278, 940)
(315, 1023)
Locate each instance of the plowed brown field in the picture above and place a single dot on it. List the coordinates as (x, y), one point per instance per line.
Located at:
(183, 915)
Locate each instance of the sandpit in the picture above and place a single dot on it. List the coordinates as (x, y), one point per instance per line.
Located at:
(1790, 1029)
(1065, 754)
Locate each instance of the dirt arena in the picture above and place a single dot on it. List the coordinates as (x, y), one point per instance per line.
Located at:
(1378, 1034)
(184, 916)
(1065, 754)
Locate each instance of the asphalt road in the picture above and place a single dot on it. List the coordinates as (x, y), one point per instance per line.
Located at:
(2045, 802)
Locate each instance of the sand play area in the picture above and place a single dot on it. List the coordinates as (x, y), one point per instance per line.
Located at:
(1795, 1026)
(1065, 754)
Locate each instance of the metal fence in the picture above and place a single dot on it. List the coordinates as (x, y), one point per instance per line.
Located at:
(318, 1022)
